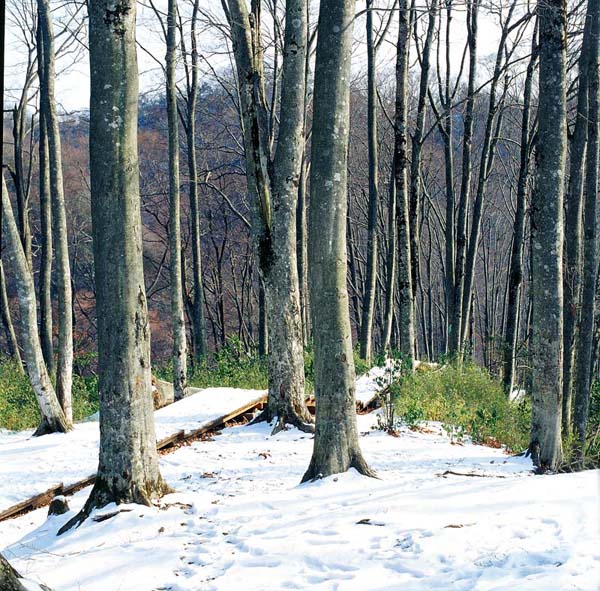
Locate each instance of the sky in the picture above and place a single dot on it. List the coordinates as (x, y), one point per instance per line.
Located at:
(72, 86)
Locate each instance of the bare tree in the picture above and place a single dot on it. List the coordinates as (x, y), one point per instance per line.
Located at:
(336, 447)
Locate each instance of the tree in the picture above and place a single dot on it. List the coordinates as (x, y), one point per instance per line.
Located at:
(128, 469)
(175, 262)
(590, 242)
(53, 418)
(547, 238)
(273, 184)
(64, 365)
(405, 288)
(336, 448)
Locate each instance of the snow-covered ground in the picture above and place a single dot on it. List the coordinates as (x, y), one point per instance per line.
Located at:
(241, 520)
(32, 465)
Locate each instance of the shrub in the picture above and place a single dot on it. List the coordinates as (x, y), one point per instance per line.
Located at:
(467, 401)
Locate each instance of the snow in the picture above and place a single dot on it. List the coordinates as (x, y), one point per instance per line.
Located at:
(239, 518)
(30, 466)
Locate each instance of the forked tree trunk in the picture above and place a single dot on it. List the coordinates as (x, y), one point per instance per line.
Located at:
(53, 418)
(547, 239)
(336, 447)
(274, 186)
(590, 242)
(64, 365)
(177, 312)
(128, 469)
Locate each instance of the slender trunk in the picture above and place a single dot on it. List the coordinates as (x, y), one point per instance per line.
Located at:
(417, 145)
(175, 262)
(366, 325)
(128, 469)
(198, 317)
(405, 290)
(515, 277)
(53, 418)
(590, 243)
(573, 231)
(64, 366)
(547, 236)
(336, 448)
(391, 263)
(465, 187)
(9, 329)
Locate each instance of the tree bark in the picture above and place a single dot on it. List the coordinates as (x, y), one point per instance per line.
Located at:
(405, 291)
(53, 418)
(128, 469)
(547, 236)
(515, 278)
(366, 325)
(274, 185)
(336, 448)
(179, 356)
(574, 231)
(9, 329)
(64, 365)
(590, 243)
(10, 579)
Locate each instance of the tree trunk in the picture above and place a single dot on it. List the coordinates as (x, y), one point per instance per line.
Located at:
(198, 316)
(10, 579)
(515, 277)
(405, 290)
(64, 367)
(128, 469)
(391, 263)
(53, 418)
(45, 278)
(274, 185)
(366, 324)
(457, 329)
(590, 244)
(9, 329)
(573, 230)
(177, 313)
(336, 448)
(547, 236)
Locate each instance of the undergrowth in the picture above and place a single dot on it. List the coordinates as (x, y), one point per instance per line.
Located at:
(466, 400)
(19, 408)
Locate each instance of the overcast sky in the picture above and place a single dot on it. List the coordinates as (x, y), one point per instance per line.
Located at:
(72, 87)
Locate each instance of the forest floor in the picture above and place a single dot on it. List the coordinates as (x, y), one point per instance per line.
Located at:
(441, 516)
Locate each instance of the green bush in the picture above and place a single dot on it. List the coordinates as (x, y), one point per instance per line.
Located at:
(467, 401)
(19, 408)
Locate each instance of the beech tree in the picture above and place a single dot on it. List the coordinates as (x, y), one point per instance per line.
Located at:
(547, 238)
(336, 448)
(273, 182)
(53, 419)
(128, 469)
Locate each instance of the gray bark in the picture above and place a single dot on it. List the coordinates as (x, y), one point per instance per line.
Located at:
(515, 278)
(336, 448)
(456, 328)
(590, 243)
(574, 231)
(198, 316)
(406, 312)
(53, 418)
(64, 365)
(128, 469)
(274, 186)
(547, 239)
(10, 579)
(9, 329)
(368, 308)
(175, 272)
(391, 263)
